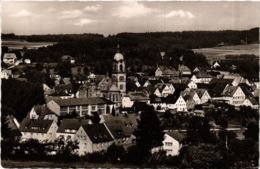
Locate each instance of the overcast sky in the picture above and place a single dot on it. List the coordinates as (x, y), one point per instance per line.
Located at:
(115, 17)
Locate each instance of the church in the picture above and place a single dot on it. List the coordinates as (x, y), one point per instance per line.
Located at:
(114, 88)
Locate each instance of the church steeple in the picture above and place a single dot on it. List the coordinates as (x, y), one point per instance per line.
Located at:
(118, 73)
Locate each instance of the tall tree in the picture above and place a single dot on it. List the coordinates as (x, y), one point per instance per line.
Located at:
(149, 132)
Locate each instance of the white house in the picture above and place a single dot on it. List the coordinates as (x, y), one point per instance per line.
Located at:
(93, 138)
(171, 143)
(203, 95)
(164, 90)
(9, 58)
(82, 106)
(68, 128)
(39, 129)
(235, 95)
(192, 85)
(121, 127)
(201, 77)
(131, 97)
(215, 65)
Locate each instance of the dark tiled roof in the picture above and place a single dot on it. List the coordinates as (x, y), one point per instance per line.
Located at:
(35, 126)
(42, 110)
(121, 126)
(203, 74)
(71, 125)
(82, 101)
(176, 135)
(97, 133)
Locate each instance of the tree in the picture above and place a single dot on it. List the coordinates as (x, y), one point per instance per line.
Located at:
(252, 131)
(95, 118)
(113, 111)
(115, 153)
(203, 156)
(149, 132)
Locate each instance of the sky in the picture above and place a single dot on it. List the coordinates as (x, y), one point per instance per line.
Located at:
(103, 17)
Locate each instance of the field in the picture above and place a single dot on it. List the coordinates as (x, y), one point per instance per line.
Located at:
(219, 53)
(17, 44)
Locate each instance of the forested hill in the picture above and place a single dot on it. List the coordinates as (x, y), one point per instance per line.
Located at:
(139, 48)
(185, 39)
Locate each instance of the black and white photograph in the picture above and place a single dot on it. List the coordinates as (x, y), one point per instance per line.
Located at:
(130, 84)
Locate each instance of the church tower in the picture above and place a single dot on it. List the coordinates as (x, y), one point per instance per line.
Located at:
(118, 72)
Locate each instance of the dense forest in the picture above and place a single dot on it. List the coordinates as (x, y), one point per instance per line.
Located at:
(141, 50)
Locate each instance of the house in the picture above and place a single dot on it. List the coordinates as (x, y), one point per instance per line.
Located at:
(235, 95)
(82, 106)
(201, 77)
(9, 58)
(93, 138)
(68, 128)
(46, 89)
(203, 95)
(39, 129)
(163, 90)
(5, 73)
(132, 97)
(192, 85)
(13, 125)
(236, 78)
(68, 58)
(215, 65)
(190, 103)
(193, 95)
(251, 102)
(60, 95)
(164, 71)
(184, 70)
(121, 127)
(42, 112)
(172, 143)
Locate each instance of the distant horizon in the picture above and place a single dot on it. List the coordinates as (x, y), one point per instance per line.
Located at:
(134, 32)
(113, 17)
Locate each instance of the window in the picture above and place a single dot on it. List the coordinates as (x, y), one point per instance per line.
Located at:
(121, 78)
(93, 107)
(121, 67)
(168, 144)
(121, 87)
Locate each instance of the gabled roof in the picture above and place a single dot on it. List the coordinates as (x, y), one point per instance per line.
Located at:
(200, 92)
(246, 89)
(252, 100)
(9, 55)
(42, 110)
(203, 74)
(82, 101)
(230, 90)
(215, 81)
(97, 133)
(71, 125)
(135, 96)
(176, 135)
(183, 68)
(121, 125)
(114, 88)
(35, 126)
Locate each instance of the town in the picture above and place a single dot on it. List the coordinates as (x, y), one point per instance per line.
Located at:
(130, 84)
(99, 110)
